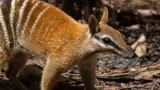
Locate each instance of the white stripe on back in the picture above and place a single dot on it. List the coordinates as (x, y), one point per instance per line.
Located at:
(21, 11)
(28, 18)
(4, 27)
(12, 11)
(38, 18)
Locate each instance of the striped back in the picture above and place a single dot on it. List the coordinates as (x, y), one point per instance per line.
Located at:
(35, 22)
(6, 33)
(15, 17)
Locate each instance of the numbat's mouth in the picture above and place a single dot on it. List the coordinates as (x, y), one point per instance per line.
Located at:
(128, 54)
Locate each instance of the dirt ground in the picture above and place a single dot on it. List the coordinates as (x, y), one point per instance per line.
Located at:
(113, 72)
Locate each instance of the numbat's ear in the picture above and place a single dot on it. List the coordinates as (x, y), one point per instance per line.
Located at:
(104, 18)
(93, 24)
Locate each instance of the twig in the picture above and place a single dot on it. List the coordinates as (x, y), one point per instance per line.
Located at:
(155, 66)
(104, 68)
(129, 66)
(6, 85)
(155, 84)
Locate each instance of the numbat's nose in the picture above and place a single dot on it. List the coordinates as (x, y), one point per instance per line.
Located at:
(128, 54)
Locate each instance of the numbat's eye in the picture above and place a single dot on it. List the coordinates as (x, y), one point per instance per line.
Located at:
(106, 40)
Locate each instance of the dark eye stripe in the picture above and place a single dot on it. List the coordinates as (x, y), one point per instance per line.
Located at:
(107, 41)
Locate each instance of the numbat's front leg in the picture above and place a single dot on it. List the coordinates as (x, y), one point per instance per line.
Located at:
(53, 70)
(50, 76)
(87, 72)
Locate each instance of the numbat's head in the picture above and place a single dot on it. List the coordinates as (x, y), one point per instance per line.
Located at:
(106, 37)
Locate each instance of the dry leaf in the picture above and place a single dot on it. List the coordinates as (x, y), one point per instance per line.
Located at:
(141, 49)
(140, 46)
(146, 12)
(141, 39)
(134, 27)
(147, 75)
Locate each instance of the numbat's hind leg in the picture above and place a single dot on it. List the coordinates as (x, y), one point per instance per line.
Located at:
(15, 65)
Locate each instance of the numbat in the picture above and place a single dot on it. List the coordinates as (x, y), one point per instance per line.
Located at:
(33, 26)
